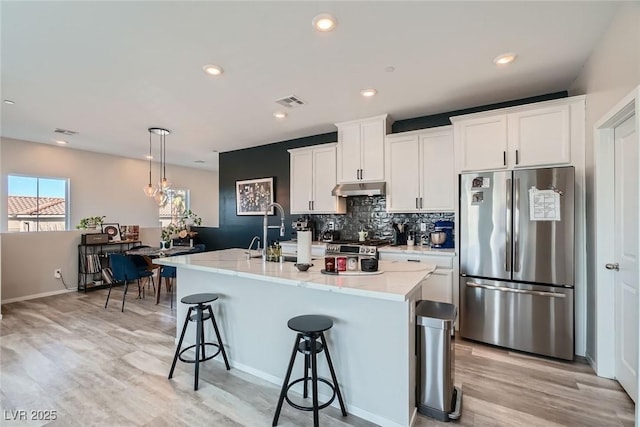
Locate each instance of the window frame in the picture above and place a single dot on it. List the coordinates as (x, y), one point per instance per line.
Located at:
(38, 220)
(164, 220)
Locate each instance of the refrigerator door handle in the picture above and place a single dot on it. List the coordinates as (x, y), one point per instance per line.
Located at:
(507, 265)
(516, 226)
(517, 291)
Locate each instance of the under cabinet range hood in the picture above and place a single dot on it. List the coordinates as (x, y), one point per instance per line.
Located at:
(360, 189)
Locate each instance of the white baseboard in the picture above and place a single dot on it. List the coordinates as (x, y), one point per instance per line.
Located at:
(354, 410)
(41, 295)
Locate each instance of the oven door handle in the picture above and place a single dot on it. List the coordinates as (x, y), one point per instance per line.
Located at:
(517, 291)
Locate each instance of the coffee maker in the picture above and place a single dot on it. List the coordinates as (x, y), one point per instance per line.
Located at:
(445, 227)
(303, 224)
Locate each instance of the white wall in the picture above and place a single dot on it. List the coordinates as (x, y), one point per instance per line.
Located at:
(612, 71)
(100, 184)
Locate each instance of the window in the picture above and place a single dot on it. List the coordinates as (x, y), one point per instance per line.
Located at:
(37, 204)
(177, 203)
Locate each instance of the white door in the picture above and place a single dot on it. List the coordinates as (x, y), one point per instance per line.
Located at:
(540, 137)
(301, 181)
(626, 256)
(324, 179)
(372, 147)
(349, 152)
(404, 174)
(438, 180)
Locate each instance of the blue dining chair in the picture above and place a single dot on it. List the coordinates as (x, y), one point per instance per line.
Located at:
(124, 270)
(146, 267)
(169, 273)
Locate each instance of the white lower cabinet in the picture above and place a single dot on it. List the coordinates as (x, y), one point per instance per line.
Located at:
(439, 285)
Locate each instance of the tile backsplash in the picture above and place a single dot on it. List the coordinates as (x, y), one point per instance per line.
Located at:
(368, 213)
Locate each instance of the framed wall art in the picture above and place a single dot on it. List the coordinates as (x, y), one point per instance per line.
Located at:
(253, 196)
(113, 231)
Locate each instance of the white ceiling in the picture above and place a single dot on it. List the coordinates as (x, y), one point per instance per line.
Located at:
(110, 70)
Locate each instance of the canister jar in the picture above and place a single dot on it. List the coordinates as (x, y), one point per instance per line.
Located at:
(352, 263)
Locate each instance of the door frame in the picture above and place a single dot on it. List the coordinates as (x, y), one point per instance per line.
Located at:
(604, 162)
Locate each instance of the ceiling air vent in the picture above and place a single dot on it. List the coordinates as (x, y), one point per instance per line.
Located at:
(65, 131)
(290, 101)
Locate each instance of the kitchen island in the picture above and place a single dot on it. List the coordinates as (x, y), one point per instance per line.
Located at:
(372, 341)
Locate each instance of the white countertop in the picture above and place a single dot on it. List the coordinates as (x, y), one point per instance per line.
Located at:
(398, 280)
(425, 250)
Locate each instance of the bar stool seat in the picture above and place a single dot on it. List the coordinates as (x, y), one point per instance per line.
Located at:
(309, 329)
(198, 305)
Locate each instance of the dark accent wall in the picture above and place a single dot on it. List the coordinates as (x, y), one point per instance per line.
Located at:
(270, 160)
(273, 160)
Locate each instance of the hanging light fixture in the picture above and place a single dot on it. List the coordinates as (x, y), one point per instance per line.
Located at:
(164, 184)
(150, 190)
(160, 194)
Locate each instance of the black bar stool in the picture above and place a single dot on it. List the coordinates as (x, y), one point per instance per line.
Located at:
(310, 328)
(200, 301)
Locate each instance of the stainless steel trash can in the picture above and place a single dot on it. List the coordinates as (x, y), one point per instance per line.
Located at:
(437, 396)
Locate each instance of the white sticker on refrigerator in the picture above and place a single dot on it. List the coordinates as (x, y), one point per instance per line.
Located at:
(544, 205)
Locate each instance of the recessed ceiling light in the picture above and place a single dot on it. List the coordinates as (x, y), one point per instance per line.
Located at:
(324, 22)
(61, 142)
(213, 70)
(390, 69)
(8, 101)
(505, 58)
(368, 93)
(198, 161)
(148, 157)
(279, 114)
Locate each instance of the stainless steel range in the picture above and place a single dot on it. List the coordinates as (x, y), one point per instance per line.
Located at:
(368, 248)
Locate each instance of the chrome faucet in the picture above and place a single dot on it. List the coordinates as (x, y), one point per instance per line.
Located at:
(251, 244)
(265, 226)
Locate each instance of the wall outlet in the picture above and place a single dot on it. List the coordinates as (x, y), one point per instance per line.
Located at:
(423, 226)
(57, 273)
(331, 226)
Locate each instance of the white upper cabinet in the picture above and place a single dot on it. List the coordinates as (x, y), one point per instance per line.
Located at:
(540, 137)
(483, 143)
(313, 176)
(534, 135)
(361, 149)
(420, 171)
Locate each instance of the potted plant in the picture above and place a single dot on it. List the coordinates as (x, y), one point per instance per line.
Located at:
(189, 218)
(90, 222)
(166, 234)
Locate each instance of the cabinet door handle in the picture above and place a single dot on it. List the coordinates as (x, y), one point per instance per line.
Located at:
(420, 202)
(309, 204)
(416, 203)
(517, 158)
(504, 158)
(313, 205)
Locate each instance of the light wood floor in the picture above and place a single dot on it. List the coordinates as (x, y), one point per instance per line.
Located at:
(103, 367)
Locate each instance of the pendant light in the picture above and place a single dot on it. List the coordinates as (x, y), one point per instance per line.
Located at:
(150, 190)
(160, 195)
(164, 184)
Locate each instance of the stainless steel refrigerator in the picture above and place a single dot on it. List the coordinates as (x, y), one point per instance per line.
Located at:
(517, 259)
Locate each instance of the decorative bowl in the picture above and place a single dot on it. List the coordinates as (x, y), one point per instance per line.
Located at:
(303, 267)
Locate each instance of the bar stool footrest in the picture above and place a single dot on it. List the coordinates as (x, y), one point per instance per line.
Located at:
(217, 346)
(310, 408)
